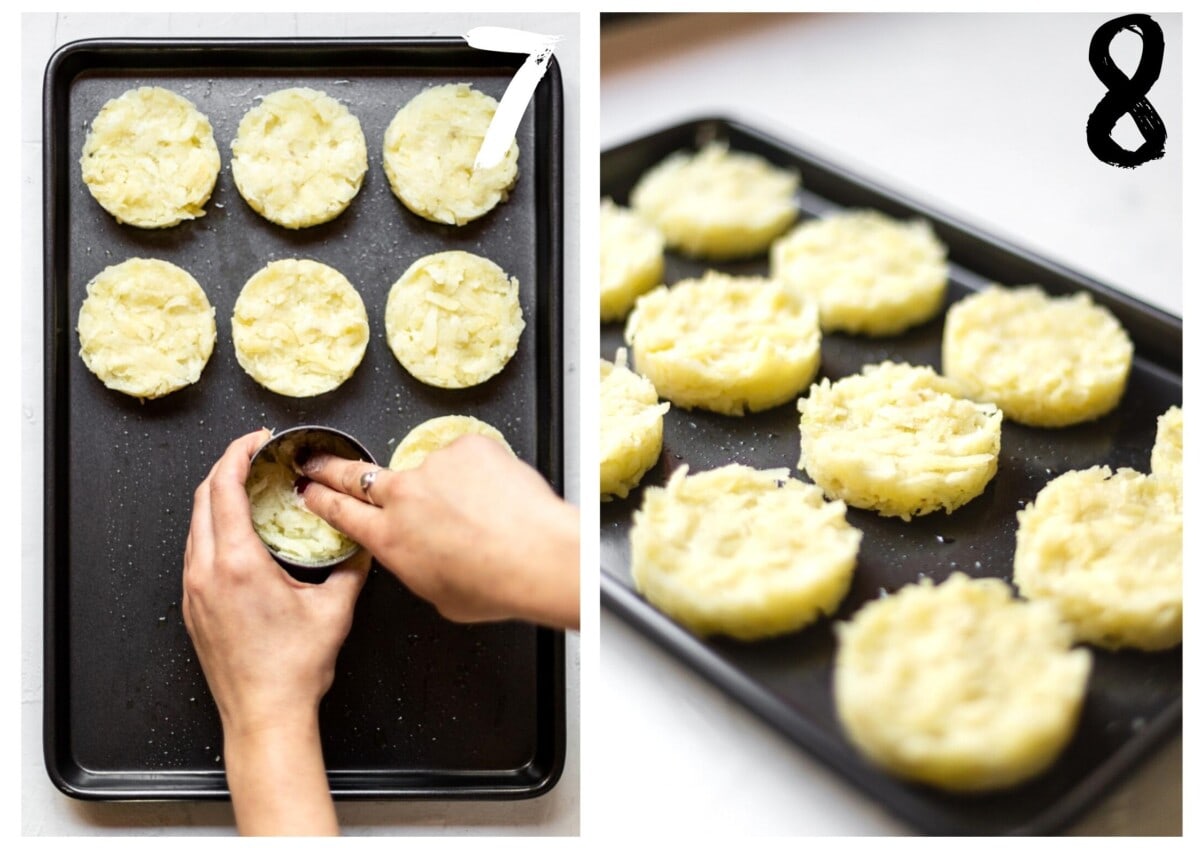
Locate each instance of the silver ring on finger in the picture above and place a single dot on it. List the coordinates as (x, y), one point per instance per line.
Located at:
(365, 482)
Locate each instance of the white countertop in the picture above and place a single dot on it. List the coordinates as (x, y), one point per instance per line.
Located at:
(44, 811)
(980, 116)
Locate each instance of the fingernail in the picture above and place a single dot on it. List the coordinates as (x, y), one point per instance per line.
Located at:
(312, 463)
(303, 455)
(302, 484)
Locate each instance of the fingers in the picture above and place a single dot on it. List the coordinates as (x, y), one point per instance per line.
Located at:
(198, 554)
(347, 579)
(346, 476)
(356, 519)
(186, 608)
(230, 504)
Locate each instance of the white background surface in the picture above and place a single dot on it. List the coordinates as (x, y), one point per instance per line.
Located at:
(983, 118)
(44, 810)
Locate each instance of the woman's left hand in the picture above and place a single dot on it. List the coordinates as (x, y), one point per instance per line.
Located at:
(267, 645)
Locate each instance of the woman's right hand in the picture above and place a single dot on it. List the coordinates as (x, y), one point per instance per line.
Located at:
(473, 530)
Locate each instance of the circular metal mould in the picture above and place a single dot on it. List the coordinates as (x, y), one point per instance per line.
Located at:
(291, 532)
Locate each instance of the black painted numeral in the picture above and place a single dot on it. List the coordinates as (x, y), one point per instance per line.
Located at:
(1127, 95)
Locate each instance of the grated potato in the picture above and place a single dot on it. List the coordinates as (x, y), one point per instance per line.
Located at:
(1166, 459)
(867, 272)
(280, 516)
(1101, 546)
(437, 433)
(1047, 362)
(146, 328)
(299, 157)
(299, 328)
(898, 439)
(150, 159)
(726, 344)
(742, 552)
(466, 332)
(631, 259)
(718, 203)
(959, 685)
(631, 428)
(429, 154)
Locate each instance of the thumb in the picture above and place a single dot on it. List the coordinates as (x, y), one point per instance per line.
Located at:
(347, 579)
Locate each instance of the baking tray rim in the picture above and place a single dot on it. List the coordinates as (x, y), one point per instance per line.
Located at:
(545, 767)
(625, 602)
(622, 599)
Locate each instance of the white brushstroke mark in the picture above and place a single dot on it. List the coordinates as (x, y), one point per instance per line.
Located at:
(503, 128)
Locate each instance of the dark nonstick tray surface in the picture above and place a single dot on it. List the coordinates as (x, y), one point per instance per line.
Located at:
(1134, 699)
(420, 707)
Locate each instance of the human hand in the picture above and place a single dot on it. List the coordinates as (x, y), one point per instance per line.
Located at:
(267, 645)
(473, 530)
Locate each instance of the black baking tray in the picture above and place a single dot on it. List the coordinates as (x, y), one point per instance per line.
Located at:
(1134, 699)
(420, 707)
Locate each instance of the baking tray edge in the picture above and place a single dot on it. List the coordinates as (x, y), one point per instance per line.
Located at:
(1158, 336)
(543, 771)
